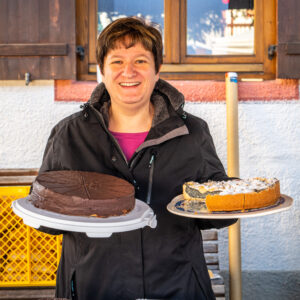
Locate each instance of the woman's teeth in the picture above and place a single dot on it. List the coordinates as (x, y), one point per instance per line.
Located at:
(129, 83)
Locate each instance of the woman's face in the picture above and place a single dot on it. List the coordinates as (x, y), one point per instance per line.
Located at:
(129, 75)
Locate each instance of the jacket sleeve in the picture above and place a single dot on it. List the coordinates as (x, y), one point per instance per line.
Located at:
(51, 160)
(211, 169)
(50, 163)
(50, 230)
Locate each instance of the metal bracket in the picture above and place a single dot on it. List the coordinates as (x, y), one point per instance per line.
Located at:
(80, 52)
(27, 78)
(272, 49)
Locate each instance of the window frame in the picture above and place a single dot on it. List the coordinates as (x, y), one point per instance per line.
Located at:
(177, 65)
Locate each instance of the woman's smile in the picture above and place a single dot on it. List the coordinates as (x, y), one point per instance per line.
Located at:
(129, 84)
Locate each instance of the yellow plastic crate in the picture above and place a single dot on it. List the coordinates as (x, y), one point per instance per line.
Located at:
(27, 257)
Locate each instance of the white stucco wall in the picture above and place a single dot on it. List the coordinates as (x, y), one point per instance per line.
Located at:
(269, 146)
(27, 114)
(269, 140)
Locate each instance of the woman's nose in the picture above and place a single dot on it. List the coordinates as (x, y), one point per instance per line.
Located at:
(129, 70)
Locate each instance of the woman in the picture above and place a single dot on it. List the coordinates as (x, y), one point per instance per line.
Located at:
(134, 127)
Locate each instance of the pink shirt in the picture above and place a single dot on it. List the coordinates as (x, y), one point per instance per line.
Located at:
(129, 142)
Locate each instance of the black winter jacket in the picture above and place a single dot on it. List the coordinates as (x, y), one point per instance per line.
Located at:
(162, 263)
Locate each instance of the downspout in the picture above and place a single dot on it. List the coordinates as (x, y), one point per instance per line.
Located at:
(234, 231)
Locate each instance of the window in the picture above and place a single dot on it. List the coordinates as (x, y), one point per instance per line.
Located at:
(110, 10)
(179, 63)
(216, 28)
(202, 39)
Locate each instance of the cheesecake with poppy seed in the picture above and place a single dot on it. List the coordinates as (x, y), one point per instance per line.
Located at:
(234, 195)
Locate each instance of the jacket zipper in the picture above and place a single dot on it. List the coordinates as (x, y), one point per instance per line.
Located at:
(148, 200)
(151, 171)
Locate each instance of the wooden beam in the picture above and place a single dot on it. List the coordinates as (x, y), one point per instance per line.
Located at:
(18, 172)
(16, 180)
(21, 293)
(34, 49)
(189, 68)
(195, 68)
(292, 48)
(11, 177)
(172, 31)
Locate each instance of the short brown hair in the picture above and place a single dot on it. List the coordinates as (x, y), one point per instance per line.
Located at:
(137, 31)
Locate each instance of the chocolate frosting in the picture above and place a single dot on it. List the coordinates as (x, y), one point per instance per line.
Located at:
(81, 193)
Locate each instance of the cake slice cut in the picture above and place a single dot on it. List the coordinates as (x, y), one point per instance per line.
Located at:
(234, 195)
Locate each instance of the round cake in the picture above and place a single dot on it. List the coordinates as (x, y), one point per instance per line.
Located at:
(79, 193)
(235, 194)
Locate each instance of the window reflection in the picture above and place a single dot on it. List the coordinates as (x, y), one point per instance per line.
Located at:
(150, 10)
(220, 27)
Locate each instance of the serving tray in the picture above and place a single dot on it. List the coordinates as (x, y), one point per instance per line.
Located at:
(177, 207)
(142, 215)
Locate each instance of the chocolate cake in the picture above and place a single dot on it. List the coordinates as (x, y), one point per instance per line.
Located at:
(80, 193)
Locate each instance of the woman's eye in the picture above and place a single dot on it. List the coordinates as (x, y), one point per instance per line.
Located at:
(117, 62)
(140, 61)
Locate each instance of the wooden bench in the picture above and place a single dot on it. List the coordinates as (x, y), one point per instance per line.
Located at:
(14, 177)
(210, 247)
(11, 177)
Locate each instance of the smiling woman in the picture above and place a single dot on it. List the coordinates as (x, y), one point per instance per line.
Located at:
(129, 31)
(130, 56)
(134, 127)
(129, 77)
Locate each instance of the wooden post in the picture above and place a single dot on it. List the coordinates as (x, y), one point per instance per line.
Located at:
(234, 235)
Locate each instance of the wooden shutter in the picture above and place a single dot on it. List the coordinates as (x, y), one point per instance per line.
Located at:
(288, 59)
(37, 37)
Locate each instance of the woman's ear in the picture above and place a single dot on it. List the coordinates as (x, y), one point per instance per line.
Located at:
(159, 69)
(99, 74)
(158, 73)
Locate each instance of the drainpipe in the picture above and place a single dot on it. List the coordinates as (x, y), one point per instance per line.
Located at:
(234, 234)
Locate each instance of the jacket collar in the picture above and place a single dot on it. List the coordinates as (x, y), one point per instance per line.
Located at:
(168, 111)
(162, 94)
(176, 98)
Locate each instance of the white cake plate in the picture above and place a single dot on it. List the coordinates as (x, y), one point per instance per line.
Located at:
(176, 207)
(142, 215)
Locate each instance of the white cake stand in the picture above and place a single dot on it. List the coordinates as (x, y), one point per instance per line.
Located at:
(142, 215)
